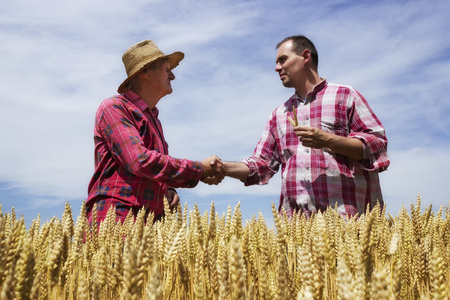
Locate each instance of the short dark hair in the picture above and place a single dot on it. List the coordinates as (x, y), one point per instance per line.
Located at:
(300, 43)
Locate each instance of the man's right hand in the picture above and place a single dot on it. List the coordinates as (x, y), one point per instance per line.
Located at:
(213, 170)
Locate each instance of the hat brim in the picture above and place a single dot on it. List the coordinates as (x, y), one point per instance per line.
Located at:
(174, 60)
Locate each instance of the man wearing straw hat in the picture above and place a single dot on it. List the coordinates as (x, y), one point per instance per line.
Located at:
(133, 169)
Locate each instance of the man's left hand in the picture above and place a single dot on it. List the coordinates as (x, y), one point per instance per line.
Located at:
(318, 139)
(173, 198)
(312, 137)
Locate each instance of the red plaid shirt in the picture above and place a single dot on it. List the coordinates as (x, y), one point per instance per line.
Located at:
(132, 165)
(313, 179)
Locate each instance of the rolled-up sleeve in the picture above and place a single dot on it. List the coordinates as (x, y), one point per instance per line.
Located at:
(366, 127)
(120, 131)
(265, 162)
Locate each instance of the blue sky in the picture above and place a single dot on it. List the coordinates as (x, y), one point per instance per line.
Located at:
(59, 60)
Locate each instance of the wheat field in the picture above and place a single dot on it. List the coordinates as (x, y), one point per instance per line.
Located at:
(189, 255)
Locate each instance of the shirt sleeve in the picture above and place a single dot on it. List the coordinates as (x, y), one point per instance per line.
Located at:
(117, 126)
(265, 161)
(366, 127)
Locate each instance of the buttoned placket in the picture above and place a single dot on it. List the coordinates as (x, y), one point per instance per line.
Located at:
(303, 116)
(151, 115)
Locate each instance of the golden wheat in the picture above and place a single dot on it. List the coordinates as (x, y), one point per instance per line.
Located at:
(187, 255)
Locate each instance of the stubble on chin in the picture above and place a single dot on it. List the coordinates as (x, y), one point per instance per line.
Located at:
(286, 83)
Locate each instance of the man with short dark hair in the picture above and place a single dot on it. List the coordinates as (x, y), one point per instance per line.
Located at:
(326, 138)
(133, 169)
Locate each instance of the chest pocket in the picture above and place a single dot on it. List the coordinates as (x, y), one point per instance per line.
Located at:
(337, 127)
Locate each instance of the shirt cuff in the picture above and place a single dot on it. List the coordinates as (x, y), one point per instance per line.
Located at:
(253, 170)
(195, 174)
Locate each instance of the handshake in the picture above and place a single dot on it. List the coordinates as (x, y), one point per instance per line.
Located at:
(214, 170)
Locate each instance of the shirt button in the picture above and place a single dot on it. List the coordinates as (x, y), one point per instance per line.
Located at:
(307, 168)
(307, 150)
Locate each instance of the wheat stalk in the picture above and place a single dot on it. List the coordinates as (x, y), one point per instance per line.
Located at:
(189, 255)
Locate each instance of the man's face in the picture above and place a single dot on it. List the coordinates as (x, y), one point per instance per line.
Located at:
(160, 76)
(289, 65)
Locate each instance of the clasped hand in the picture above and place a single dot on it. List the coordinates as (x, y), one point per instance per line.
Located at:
(213, 170)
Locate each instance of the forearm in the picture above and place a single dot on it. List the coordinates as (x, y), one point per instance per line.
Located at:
(319, 139)
(349, 147)
(237, 170)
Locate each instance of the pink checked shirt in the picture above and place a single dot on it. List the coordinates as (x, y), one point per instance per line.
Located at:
(313, 179)
(132, 165)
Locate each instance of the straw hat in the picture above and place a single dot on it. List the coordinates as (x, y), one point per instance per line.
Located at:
(141, 55)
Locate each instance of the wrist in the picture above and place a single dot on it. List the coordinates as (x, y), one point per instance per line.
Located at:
(237, 170)
(330, 142)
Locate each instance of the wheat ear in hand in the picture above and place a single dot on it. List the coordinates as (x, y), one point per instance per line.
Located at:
(295, 121)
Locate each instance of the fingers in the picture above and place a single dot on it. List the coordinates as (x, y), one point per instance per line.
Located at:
(302, 130)
(305, 135)
(213, 170)
(312, 137)
(215, 161)
(173, 198)
(212, 180)
(214, 176)
(175, 201)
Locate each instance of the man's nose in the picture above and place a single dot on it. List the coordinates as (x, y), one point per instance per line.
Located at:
(278, 68)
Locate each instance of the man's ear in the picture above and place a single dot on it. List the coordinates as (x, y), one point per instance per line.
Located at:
(306, 54)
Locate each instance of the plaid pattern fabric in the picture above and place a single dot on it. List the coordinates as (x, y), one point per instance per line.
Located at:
(132, 165)
(313, 179)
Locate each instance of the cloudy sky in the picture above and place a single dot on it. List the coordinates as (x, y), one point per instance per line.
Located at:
(60, 59)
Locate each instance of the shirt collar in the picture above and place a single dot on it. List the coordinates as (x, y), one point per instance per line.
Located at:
(317, 88)
(140, 103)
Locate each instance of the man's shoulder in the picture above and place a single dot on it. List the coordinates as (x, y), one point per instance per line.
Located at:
(114, 105)
(340, 92)
(115, 102)
(339, 87)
